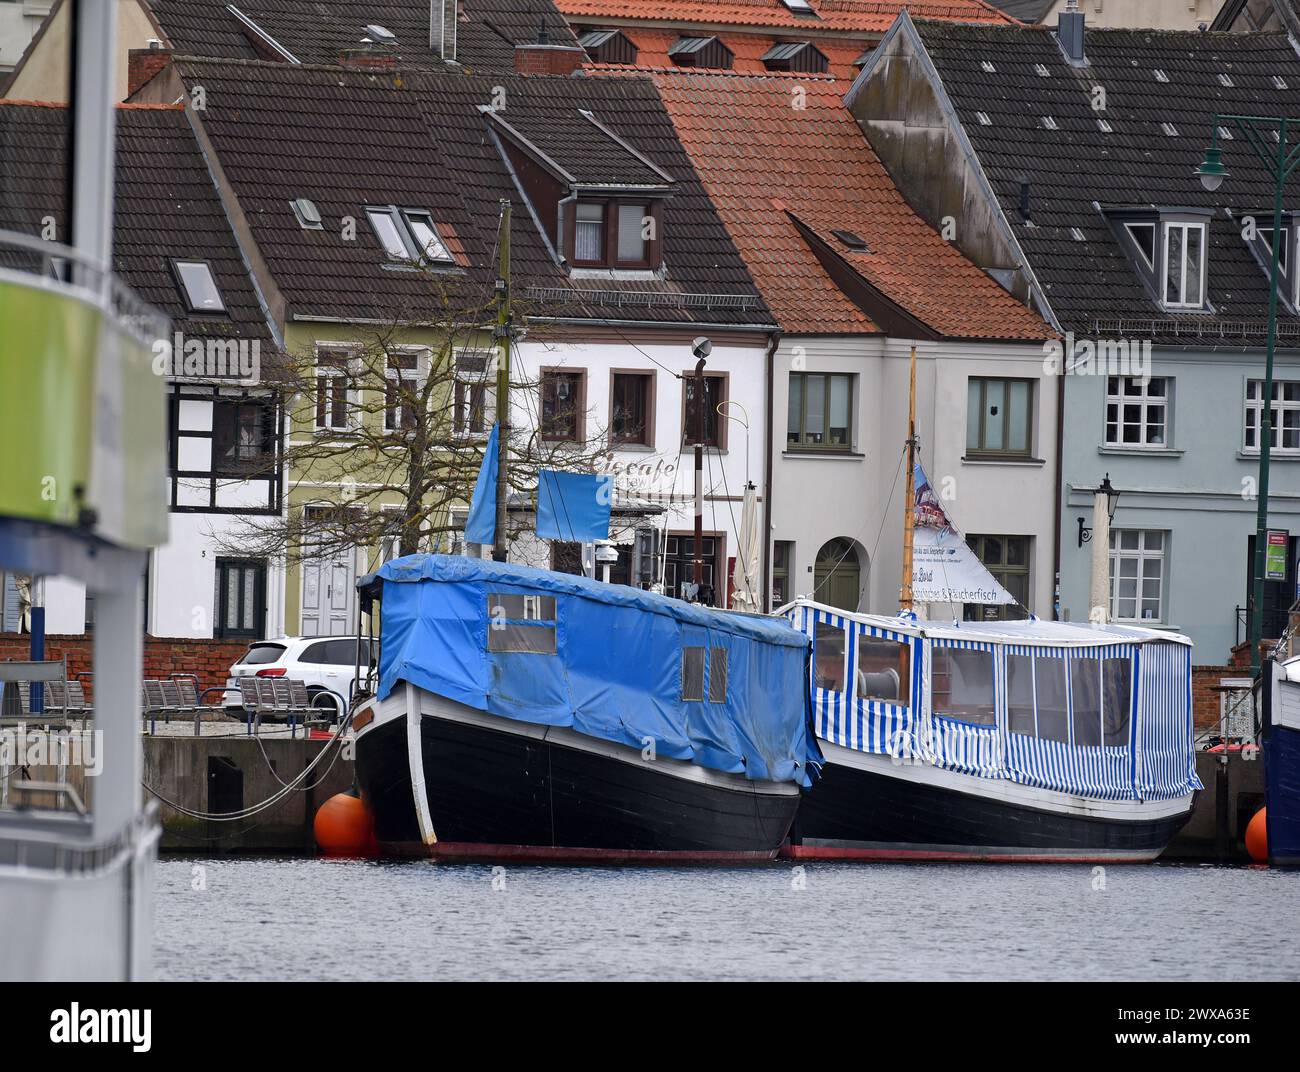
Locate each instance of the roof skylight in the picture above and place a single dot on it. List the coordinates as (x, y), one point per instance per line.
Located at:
(381, 33)
(198, 286)
(408, 235)
(308, 214)
(799, 7)
(853, 241)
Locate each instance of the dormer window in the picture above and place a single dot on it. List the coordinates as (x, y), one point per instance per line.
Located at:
(589, 233)
(1144, 237)
(614, 234)
(408, 235)
(1288, 256)
(1183, 250)
(608, 46)
(801, 56)
(701, 52)
(1169, 250)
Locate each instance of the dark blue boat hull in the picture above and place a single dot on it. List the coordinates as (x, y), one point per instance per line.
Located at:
(1282, 795)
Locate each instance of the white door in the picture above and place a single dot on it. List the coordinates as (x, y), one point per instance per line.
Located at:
(328, 584)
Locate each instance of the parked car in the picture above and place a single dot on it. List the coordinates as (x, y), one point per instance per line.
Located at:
(326, 664)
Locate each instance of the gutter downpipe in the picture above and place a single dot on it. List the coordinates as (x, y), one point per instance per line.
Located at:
(774, 341)
(1059, 497)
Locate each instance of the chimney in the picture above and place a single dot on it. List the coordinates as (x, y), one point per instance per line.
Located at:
(370, 59)
(142, 64)
(443, 15)
(543, 58)
(1069, 34)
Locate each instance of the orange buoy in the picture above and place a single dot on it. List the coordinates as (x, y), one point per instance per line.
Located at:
(1257, 837)
(345, 827)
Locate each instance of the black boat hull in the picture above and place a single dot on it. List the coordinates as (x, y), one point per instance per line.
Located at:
(881, 811)
(499, 790)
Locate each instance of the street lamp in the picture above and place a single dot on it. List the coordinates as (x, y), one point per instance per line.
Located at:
(1112, 501)
(1279, 164)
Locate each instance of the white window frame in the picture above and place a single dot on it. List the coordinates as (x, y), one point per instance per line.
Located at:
(401, 220)
(1144, 399)
(469, 379)
(418, 374)
(1144, 556)
(1187, 226)
(353, 395)
(1256, 406)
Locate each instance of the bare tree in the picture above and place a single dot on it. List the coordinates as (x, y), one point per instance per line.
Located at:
(392, 429)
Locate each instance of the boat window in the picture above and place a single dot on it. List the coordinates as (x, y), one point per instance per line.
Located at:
(692, 673)
(1117, 699)
(717, 675)
(521, 623)
(1020, 694)
(884, 669)
(829, 646)
(961, 683)
(1050, 695)
(1085, 699)
(517, 607)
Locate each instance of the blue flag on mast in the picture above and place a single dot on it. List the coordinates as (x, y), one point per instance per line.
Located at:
(481, 526)
(573, 506)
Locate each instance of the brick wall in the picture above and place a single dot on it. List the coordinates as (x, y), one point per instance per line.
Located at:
(142, 64)
(1205, 697)
(556, 60)
(208, 660)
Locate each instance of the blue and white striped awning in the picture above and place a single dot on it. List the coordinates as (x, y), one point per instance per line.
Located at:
(1155, 762)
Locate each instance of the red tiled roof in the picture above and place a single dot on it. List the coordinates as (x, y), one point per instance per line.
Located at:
(764, 159)
(835, 15)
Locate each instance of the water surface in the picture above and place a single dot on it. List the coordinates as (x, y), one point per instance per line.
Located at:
(268, 919)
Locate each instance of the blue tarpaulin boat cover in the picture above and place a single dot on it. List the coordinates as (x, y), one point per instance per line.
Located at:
(727, 691)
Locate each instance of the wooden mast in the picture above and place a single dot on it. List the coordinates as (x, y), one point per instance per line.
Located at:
(909, 503)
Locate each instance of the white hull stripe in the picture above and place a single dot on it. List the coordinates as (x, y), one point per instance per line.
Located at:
(1006, 792)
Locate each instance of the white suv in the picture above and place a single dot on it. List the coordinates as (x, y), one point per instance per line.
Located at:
(325, 663)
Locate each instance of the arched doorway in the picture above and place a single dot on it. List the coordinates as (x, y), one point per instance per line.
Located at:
(838, 574)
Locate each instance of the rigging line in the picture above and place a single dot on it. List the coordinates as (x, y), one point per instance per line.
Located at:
(276, 798)
(732, 512)
(884, 517)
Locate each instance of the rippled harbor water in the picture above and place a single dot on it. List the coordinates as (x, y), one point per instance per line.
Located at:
(262, 919)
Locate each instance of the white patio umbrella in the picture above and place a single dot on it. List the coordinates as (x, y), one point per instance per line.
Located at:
(748, 592)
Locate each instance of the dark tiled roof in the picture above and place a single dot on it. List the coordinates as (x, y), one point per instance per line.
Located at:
(165, 209)
(316, 31)
(767, 164)
(586, 153)
(346, 138)
(1077, 166)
